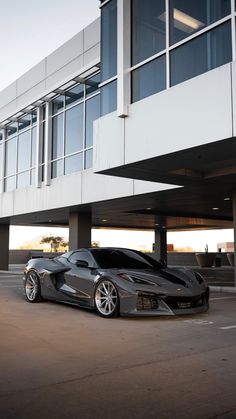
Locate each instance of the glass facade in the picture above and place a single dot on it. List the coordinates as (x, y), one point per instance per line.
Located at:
(72, 127)
(20, 153)
(148, 29)
(202, 54)
(169, 48)
(108, 57)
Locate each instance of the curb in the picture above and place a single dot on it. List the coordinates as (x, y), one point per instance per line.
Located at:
(223, 289)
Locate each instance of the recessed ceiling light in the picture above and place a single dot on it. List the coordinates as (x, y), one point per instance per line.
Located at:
(226, 199)
(104, 221)
(215, 209)
(148, 209)
(157, 224)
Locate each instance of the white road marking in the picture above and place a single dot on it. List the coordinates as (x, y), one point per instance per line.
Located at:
(228, 327)
(198, 321)
(10, 286)
(222, 298)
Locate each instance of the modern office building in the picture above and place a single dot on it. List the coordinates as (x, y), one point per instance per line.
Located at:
(135, 131)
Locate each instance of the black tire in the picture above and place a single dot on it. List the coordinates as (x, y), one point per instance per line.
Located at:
(32, 287)
(106, 299)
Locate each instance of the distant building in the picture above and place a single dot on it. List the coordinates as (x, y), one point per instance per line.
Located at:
(225, 247)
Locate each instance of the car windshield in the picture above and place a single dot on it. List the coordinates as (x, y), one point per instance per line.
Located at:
(123, 259)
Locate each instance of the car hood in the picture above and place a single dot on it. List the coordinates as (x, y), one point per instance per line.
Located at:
(167, 278)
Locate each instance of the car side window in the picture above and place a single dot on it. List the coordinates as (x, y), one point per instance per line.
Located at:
(85, 256)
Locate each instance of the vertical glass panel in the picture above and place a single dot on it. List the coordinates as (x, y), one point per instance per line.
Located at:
(202, 54)
(12, 129)
(34, 117)
(1, 136)
(149, 79)
(24, 151)
(74, 163)
(10, 168)
(188, 17)
(23, 180)
(74, 129)
(24, 122)
(92, 113)
(58, 104)
(148, 29)
(57, 168)
(88, 159)
(10, 184)
(57, 136)
(109, 40)
(1, 160)
(75, 94)
(33, 147)
(109, 98)
(92, 84)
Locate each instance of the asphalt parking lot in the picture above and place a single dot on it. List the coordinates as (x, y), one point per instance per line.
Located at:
(58, 361)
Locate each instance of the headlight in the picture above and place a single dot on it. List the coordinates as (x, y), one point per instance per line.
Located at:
(136, 280)
(199, 278)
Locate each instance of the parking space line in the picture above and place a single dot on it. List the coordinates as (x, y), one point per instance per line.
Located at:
(228, 327)
(222, 298)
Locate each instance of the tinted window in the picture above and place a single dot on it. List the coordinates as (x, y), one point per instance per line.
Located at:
(10, 168)
(109, 40)
(85, 256)
(74, 129)
(149, 79)
(24, 151)
(148, 29)
(57, 136)
(75, 94)
(202, 54)
(188, 17)
(123, 259)
(109, 98)
(74, 163)
(92, 113)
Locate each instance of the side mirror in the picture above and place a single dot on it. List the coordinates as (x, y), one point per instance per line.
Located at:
(82, 264)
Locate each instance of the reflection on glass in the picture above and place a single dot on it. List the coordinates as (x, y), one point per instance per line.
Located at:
(32, 176)
(74, 129)
(57, 136)
(88, 159)
(149, 79)
(10, 184)
(75, 94)
(109, 40)
(188, 17)
(57, 104)
(10, 168)
(24, 122)
(92, 113)
(12, 129)
(57, 168)
(33, 147)
(34, 117)
(23, 180)
(148, 29)
(202, 54)
(24, 151)
(92, 84)
(74, 163)
(109, 98)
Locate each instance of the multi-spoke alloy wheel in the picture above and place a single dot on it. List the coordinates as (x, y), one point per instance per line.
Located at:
(32, 287)
(106, 299)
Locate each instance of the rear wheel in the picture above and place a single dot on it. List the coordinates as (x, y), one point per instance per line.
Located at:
(106, 299)
(32, 287)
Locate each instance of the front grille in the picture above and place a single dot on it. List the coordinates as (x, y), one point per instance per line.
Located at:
(147, 301)
(176, 303)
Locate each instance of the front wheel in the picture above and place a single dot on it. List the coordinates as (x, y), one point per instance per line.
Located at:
(32, 287)
(106, 299)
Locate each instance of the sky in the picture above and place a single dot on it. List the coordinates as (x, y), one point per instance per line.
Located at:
(29, 31)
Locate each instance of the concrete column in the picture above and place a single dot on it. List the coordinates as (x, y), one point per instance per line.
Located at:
(4, 246)
(160, 245)
(234, 221)
(80, 228)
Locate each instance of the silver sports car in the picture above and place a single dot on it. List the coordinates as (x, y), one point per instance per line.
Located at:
(116, 281)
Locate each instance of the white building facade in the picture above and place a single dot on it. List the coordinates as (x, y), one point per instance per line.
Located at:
(133, 131)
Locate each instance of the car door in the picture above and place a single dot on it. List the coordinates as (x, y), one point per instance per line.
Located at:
(80, 280)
